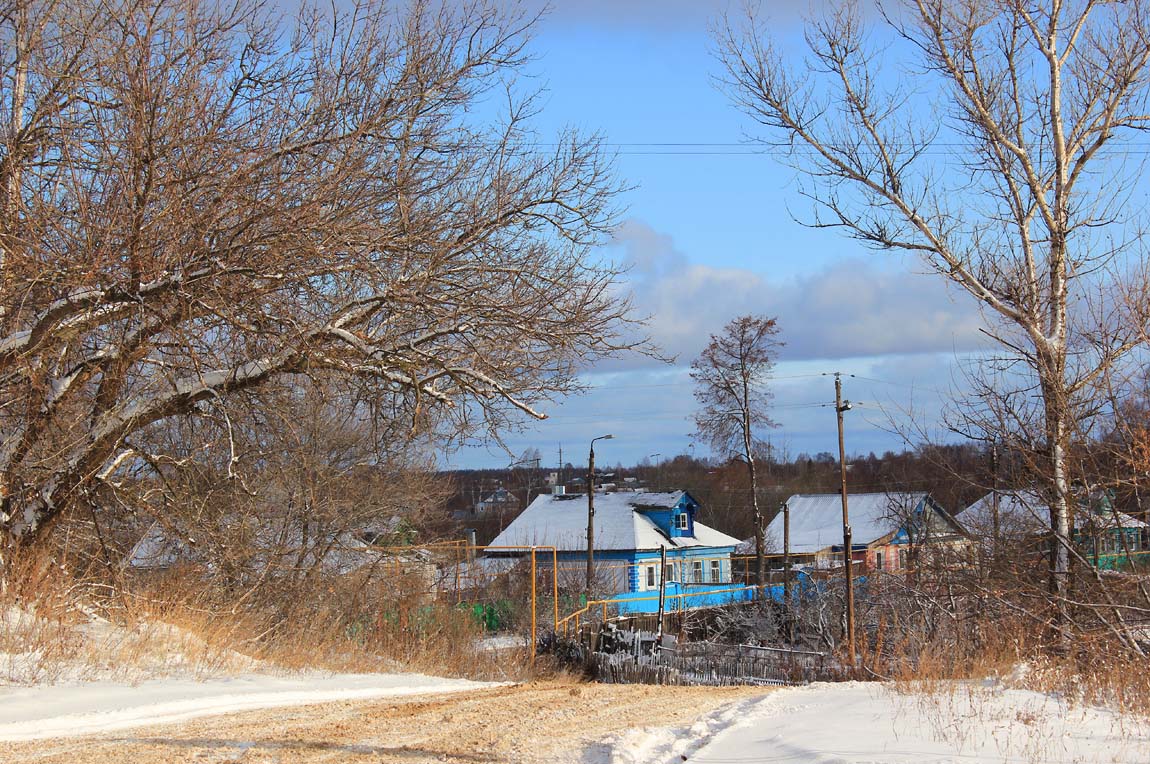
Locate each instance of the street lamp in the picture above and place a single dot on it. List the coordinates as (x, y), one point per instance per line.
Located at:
(591, 513)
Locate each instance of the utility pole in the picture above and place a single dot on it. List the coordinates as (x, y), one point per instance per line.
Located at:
(662, 594)
(788, 603)
(994, 506)
(591, 514)
(840, 407)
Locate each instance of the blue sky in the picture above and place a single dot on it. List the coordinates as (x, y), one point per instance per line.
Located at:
(709, 234)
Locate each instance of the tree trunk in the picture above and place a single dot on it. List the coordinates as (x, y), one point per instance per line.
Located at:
(1060, 501)
(760, 531)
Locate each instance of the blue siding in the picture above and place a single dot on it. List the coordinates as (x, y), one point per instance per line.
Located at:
(693, 596)
(712, 595)
(668, 519)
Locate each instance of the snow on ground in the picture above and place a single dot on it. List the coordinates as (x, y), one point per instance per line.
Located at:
(864, 723)
(35, 650)
(502, 642)
(30, 713)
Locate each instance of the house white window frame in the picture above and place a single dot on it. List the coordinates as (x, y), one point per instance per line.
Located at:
(716, 571)
(651, 576)
(669, 572)
(697, 571)
(683, 521)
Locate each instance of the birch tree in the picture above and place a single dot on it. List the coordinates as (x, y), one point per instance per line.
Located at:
(989, 138)
(200, 198)
(731, 376)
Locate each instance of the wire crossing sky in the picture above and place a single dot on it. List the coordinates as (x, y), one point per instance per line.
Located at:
(712, 231)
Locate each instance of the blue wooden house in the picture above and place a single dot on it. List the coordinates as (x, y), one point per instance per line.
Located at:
(631, 530)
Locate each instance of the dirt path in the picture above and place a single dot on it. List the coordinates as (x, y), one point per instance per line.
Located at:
(534, 723)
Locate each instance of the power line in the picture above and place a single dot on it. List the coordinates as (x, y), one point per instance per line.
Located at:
(685, 383)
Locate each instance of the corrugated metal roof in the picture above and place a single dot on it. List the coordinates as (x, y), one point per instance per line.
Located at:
(817, 519)
(1025, 512)
(1019, 513)
(561, 521)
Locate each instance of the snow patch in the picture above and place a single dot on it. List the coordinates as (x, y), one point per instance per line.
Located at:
(649, 745)
(32, 713)
(859, 723)
(502, 642)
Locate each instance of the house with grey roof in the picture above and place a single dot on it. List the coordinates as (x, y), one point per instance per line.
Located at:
(1107, 537)
(887, 528)
(632, 533)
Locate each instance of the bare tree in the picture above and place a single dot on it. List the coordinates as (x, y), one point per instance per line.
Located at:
(203, 198)
(1010, 180)
(731, 376)
(310, 487)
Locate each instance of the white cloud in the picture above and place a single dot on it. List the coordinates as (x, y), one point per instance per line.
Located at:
(850, 309)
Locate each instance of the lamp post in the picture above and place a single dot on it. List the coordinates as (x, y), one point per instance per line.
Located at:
(840, 407)
(591, 513)
(658, 472)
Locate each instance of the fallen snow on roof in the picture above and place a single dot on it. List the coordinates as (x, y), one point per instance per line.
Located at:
(1024, 512)
(817, 519)
(561, 521)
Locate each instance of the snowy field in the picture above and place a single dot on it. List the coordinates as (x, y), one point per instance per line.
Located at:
(865, 723)
(30, 713)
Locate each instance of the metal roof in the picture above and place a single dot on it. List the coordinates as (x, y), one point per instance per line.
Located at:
(817, 519)
(1023, 512)
(561, 522)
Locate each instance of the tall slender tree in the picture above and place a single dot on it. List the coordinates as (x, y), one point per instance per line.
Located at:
(731, 386)
(997, 156)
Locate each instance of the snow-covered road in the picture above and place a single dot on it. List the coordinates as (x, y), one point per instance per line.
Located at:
(861, 723)
(30, 713)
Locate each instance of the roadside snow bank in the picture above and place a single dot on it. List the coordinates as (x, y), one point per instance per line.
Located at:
(673, 744)
(860, 722)
(30, 713)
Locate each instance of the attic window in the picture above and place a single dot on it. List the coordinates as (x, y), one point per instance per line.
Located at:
(683, 521)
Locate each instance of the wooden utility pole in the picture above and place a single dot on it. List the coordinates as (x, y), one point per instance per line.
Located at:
(788, 603)
(994, 505)
(662, 592)
(591, 514)
(840, 407)
(590, 520)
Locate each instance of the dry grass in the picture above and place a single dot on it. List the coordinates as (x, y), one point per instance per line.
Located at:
(964, 688)
(1013, 656)
(55, 627)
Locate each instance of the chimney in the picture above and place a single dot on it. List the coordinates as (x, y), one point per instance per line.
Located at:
(558, 490)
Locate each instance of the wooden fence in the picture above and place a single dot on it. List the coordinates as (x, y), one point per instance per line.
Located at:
(714, 664)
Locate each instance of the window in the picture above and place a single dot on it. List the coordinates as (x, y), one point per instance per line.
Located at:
(697, 571)
(651, 583)
(878, 560)
(669, 572)
(902, 559)
(683, 521)
(716, 571)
